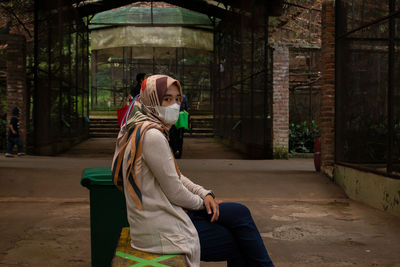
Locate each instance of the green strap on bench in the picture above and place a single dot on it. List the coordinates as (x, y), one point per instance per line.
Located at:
(144, 262)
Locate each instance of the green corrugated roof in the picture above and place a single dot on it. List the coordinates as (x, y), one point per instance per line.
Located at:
(142, 15)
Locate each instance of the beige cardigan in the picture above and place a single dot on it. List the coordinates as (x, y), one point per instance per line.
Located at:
(163, 226)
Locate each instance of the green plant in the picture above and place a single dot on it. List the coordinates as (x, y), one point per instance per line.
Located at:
(280, 152)
(301, 137)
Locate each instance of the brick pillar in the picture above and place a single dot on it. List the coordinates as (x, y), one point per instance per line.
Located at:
(280, 102)
(16, 80)
(327, 123)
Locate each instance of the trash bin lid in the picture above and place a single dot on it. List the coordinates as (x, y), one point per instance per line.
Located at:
(96, 176)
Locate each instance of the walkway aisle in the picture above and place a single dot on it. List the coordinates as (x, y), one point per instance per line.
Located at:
(305, 220)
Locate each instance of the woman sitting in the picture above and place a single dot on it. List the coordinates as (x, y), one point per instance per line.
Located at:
(168, 213)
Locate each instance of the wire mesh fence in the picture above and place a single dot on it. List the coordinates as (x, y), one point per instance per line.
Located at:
(242, 82)
(304, 85)
(115, 71)
(3, 104)
(368, 88)
(304, 97)
(57, 62)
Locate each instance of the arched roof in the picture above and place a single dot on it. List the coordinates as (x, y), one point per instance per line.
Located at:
(145, 15)
(159, 25)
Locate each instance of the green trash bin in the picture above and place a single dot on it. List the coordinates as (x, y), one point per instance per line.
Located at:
(107, 214)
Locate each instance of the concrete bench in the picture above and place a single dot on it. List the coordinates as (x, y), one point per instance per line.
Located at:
(126, 256)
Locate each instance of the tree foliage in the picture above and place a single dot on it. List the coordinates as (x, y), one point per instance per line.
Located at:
(20, 13)
(299, 23)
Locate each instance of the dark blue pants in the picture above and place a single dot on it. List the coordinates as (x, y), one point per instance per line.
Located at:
(233, 238)
(14, 141)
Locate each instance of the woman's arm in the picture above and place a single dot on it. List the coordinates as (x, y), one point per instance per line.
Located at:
(158, 156)
(194, 188)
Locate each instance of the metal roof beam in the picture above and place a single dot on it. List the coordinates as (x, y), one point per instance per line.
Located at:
(273, 7)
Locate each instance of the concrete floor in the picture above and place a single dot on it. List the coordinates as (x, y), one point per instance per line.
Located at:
(304, 219)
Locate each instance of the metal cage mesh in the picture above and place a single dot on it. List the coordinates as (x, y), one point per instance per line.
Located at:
(368, 88)
(242, 82)
(114, 71)
(58, 79)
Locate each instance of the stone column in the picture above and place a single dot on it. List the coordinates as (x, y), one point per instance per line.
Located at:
(327, 123)
(16, 80)
(280, 101)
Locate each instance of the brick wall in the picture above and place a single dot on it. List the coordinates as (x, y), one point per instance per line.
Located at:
(280, 104)
(16, 79)
(328, 87)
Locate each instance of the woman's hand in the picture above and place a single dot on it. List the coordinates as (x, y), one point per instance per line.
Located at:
(218, 201)
(212, 207)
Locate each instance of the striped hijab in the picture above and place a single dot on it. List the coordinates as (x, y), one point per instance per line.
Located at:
(143, 117)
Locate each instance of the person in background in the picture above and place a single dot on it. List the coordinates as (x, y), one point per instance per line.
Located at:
(136, 90)
(14, 134)
(176, 134)
(185, 103)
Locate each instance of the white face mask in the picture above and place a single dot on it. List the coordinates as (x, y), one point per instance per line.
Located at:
(169, 114)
